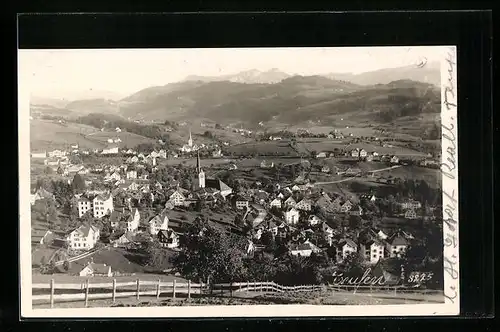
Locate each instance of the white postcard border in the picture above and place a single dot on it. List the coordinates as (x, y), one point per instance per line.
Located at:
(449, 166)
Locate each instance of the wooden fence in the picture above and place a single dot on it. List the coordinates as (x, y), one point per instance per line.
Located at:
(112, 290)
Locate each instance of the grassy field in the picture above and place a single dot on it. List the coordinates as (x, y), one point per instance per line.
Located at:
(49, 135)
(46, 135)
(129, 140)
(310, 298)
(264, 147)
(69, 279)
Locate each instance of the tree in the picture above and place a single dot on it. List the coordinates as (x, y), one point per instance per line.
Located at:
(210, 254)
(66, 265)
(78, 183)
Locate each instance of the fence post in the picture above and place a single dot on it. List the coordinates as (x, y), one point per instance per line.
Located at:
(138, 289)
(114, 290)
(248, 286)
(239, 286)
(87, 292)
(395, 289)
(158, 289)
(173, 289)
(52, 293)
(189, 289)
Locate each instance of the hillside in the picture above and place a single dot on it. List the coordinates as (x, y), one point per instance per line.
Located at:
(47, 135)
(252, 76)
(430, 73)
(86, 106)
(293, 101)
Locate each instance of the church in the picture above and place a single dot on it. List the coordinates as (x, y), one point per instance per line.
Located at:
(205, 186)
(189, 147)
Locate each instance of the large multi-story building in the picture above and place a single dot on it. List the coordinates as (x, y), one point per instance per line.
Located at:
(100, 205)
(83, 238)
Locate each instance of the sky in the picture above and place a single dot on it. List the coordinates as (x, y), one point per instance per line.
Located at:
(56, 73)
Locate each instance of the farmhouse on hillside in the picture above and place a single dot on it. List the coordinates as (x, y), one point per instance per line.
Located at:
(83, 238)
(94, 270)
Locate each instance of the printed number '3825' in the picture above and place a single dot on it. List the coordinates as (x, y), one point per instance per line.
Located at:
(420, 276)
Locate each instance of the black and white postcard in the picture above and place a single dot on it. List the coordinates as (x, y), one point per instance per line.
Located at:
(238, 182)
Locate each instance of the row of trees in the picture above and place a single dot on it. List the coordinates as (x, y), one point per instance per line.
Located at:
(210, 254)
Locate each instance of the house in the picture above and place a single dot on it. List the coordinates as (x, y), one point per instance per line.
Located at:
(325, 169)
(266, 164)
(290, 202)
(275, 203)
(84, 205)
(397, 246)
(362, 153)
(429, 163)
(313, 220)
(292, 216)
(394, 160)
(301, 179)
(324, 202)
(223, 188)
(168, 238)
(102, 205)
(110, 150)
(40, 194)
(370, 198)
(133, 221)
(356, 211)
(321, 155)
(133, 160)
(93, 269)
(115, 176)
(131, 174)
(373, 251)
(122, 240)
(411, 204)
(328, 232)
(240, 202)
(114, 219)
(345, 248)
(118, 130)
(410, 214)
(83, 238)
(176, 197)
(217, 153)
(40, 236)
(295, 188)
(304, 205)
(162, 154)
(304, 249)
(381, 234)
(353, 171)
(346, 207)
(158, 222)
(56, 154)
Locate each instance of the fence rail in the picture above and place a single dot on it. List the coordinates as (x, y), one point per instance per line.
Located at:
(113, 290)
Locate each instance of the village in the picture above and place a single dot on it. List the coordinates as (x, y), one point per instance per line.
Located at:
(84, 201)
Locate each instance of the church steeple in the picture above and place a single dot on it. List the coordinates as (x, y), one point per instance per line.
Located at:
(198, 164)
(201, 174)
(190, 140)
